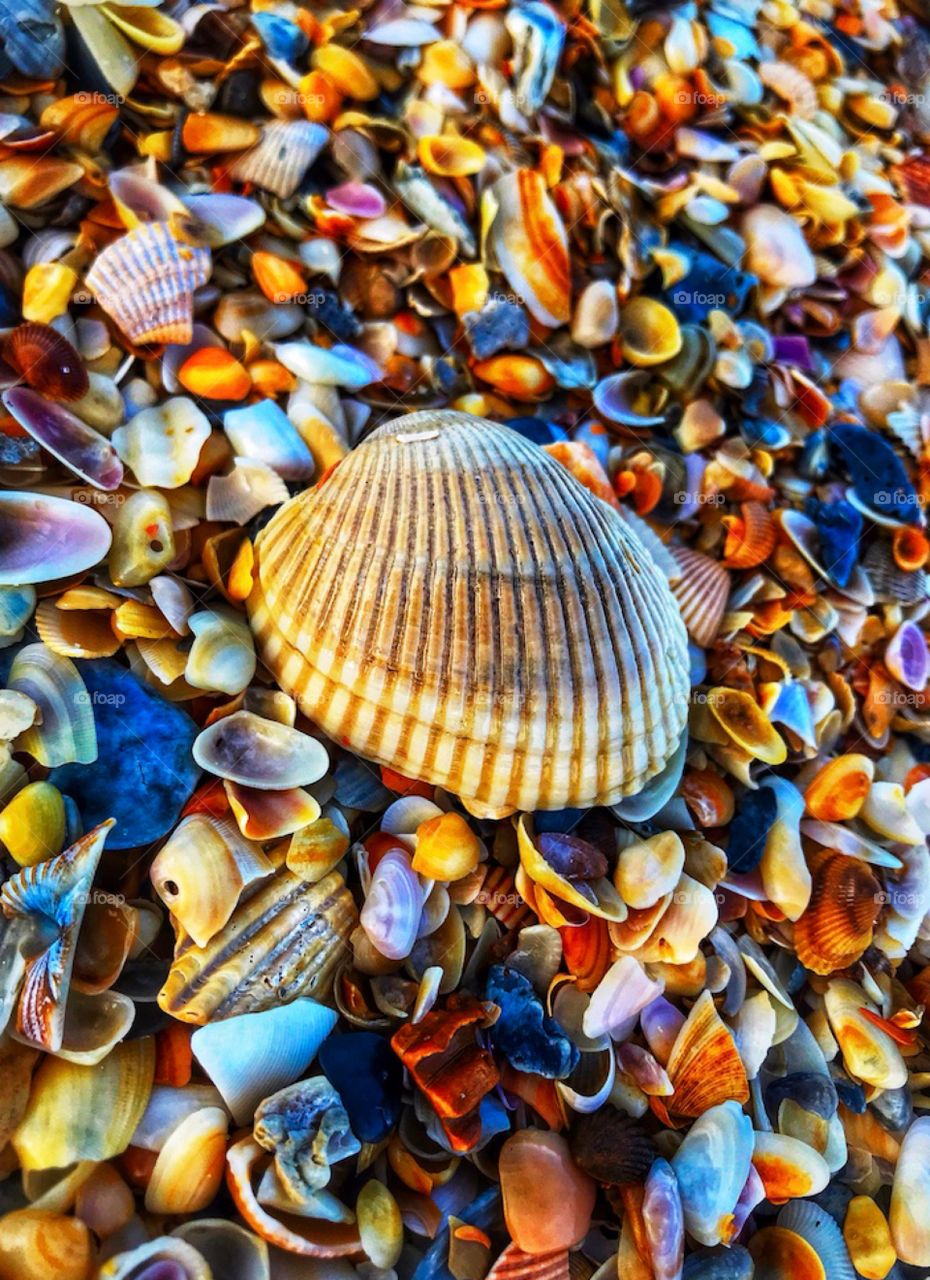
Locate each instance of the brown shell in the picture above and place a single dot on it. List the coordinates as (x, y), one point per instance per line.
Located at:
(453, 604)
(845, 902)
(47, 361)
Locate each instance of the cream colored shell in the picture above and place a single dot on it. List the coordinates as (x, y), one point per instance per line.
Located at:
(452, 603)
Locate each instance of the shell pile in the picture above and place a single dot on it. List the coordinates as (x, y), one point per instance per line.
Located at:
(464, 669)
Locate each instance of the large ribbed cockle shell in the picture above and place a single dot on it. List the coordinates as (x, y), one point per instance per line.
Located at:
(284, 941)
(453, 604)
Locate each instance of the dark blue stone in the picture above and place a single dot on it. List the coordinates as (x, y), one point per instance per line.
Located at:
(368, 1076)
(750, 828)
(334, 315)
(537, 430)
(851, 1095)
(524, 1034)
(839, 526)
(877, 473)
(144, 772)
(282, 39)
(561, 820)
(710, 285)
(9, 307)
(33, 38)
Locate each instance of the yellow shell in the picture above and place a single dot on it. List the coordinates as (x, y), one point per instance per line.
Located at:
(374, 601)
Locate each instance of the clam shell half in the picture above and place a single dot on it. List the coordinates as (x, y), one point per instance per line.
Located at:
(452, 603)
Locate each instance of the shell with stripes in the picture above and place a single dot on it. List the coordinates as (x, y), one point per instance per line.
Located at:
(453, 604)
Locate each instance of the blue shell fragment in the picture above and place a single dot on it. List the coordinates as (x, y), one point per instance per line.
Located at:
(814, 462)
(144, 772)
(538, 430)
(811, 1090)
(32, 37)
(282, 39)
(484, 1213)
(734, 1263)
(839, 526)
(878, 475)
(749, 829)
(710, 285)
(368, 1077)
(524, 1034)
(358, 786)
(851, 1095)
(499, 325)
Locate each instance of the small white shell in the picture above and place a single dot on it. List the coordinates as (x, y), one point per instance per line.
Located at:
(222, 656)
(162, 444)
(260, 753)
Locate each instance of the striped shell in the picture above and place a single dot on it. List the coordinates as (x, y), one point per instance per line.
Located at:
(279, 160)
(453, 604)
(146, 282)
(702, 594)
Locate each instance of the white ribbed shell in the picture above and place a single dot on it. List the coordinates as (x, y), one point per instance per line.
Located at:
(452, 603)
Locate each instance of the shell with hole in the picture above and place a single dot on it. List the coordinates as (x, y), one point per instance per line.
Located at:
(391, 660)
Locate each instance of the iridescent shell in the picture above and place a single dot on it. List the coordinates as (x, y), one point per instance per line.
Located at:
(64, 435)
(341, 612)
(281, 157)
(146, 282)
(46, 538)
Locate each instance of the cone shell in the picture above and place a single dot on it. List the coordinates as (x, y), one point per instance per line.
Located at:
(146, 282)
(702, 593)
(366, 607)
(283, 942)
(845, 901)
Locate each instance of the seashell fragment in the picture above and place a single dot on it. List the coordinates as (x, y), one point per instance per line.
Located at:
(63, 729)
(281, 157)
(776, 250)
(252, 1056)
(143, 539)
(907, 1217)
(201, 871)
(162, 444)
(281, 943)
(46, 538)
(529, 241)
(189, 1169)
(548, 1200)
(146, 282)
(87, 453)
(39, 1242)
(712, 1165)
(222, 656)
(260, 753)
(433, 452)
(306, 1128)
(393, 904)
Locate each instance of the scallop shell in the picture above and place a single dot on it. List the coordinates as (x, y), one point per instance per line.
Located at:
(146, 282)
(454, 519)
(283, 942)
(281, 157)
(845, 901)
(45, 359)
(702, 594)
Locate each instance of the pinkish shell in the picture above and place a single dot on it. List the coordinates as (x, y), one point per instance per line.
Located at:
(44, 538)
(391, 914)
(357, 199)
(906, 656)
(83, 450)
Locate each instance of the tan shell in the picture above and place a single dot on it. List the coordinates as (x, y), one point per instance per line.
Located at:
(452, 603)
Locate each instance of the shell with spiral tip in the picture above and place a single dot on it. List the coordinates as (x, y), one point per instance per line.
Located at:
(146, 282)
(374, 602)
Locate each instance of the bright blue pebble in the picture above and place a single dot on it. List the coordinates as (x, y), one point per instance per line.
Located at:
(144, 772)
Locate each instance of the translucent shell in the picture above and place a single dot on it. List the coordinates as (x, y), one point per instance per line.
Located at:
(743, 720)
(649, 332)
(260, 753)
(250, 1057)
(162, 444)
(281, 157)
(143, 539)
(83, 1112)
(213, 373)
(416, 697)
(450, 156)
(201, 871)
(47, 361)
(648, 869)
(35, 1243)
(189, 1169)
(447, 848)
(845, 901)
(32, 824)
(222, 656)
(393, 905)
(64, 730)
(838, 790)
(380, 1224)
(529, 242)
(285, 941)
(910, 1196)
(869, 1053)
(778, 1252)
(84, 451)
(146, 282)
(165, 1255)
(712, 1165)
(45, 538)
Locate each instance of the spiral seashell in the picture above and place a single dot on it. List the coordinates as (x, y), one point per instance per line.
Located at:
(283, 942)
(370, 620)
(146, 282)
